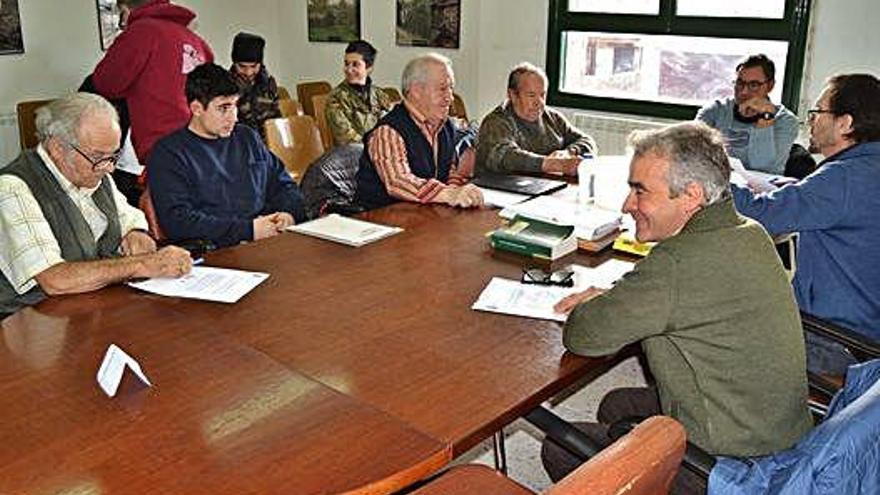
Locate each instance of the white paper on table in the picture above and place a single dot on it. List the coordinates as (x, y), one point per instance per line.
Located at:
(755, 180)
(113, 366)
(512, 297)
(206, 283)
(501, 199)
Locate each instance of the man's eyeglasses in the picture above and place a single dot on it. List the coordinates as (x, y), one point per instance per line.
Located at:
(814, 112)
(752, 85)
(562, 278)
(108, 161)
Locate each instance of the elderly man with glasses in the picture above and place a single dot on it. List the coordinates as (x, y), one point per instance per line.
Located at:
(835, 211)
(65, 227)
(756, 131)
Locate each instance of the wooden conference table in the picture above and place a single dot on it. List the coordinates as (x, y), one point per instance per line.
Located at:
(347, 371)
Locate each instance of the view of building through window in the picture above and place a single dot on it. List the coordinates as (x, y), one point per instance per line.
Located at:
(671, 69)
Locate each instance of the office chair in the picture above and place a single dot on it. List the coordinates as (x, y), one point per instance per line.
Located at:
(295, 140)
(305, 91)
(26, 112)
(320, 104)
(289, 107)
(643, 462)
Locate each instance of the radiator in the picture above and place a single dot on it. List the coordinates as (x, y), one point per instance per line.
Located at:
(610, 132)
(9, 147)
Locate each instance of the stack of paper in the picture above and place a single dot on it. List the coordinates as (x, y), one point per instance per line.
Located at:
(590, 222)
(345, 230)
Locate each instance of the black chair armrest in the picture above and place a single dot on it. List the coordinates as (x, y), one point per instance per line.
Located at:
(862, 346)
(695, 459)
(563, 433)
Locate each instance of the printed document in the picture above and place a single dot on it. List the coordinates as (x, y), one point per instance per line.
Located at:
(512, 297)
(345, 230)
(206, 283)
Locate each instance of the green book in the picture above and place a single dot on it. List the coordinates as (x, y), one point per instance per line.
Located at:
(534, 238)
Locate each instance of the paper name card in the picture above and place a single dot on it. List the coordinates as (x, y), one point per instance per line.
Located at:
(207, 283)
(113, 367)
(345, 230)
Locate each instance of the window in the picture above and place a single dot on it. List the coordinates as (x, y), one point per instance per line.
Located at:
(667, 58)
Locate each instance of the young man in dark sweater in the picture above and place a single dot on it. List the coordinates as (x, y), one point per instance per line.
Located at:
(215, 180)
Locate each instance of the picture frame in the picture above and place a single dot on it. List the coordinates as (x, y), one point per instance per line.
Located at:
(336, 21)
(108, 22)
(11, 40)
(430, 23)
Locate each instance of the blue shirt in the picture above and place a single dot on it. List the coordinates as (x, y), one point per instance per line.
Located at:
(836, 211)
(765, 149)
(212, 189)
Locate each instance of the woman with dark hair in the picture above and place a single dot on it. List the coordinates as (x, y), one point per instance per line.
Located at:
(355, 105)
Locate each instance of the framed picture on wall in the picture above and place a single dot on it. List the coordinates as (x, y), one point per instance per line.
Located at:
(434, 23)
(108, 22)
(10, 28)
(334, 20)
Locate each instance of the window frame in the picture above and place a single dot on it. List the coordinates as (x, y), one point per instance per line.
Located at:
(792, 28)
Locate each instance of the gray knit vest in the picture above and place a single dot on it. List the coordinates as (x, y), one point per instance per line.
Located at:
(70, 228)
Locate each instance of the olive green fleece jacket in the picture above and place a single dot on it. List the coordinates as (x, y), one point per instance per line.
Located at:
(508, 144)
(717, 320)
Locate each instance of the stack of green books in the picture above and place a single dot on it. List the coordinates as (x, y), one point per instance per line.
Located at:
(534, 238)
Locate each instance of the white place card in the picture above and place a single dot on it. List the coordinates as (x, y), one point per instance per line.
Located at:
(113, 367)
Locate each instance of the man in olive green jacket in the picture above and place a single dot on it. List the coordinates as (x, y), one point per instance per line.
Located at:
(710, 305)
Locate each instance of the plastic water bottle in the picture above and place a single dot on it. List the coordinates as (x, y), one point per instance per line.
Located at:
(586, 180)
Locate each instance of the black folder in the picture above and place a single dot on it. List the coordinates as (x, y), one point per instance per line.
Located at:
(520, 184)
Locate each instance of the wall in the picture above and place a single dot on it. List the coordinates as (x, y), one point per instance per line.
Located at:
(62, 46)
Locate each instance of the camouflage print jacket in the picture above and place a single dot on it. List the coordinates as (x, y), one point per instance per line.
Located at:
(350, 114)
(258, 101)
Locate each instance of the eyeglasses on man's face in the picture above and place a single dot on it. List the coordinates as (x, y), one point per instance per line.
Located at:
(815, 112)
(751, 85)
(100, 162)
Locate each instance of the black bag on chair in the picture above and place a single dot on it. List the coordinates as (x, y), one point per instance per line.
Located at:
(329, 184)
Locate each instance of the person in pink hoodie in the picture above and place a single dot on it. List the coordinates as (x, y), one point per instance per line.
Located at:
(147, 65)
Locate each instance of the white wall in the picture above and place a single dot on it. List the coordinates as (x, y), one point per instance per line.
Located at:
(61, 46)
(843, 38)
(495, 34)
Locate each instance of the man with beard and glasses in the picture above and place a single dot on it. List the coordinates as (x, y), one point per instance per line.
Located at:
(834, 211)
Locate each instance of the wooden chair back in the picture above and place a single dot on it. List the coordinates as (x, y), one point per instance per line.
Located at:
(644, 462)
(296, 141)
(145, 203)
(27, 128)
(283, 93)
(457, 109)
(290, 107)
(305, 91)
(320, 104)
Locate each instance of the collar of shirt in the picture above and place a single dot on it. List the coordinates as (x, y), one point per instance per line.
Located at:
(66, 185)
(428, 129)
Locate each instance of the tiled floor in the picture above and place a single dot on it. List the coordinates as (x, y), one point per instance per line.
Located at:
(523, 441)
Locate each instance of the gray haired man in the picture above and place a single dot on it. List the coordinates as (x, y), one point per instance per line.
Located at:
(710, 305)
(65, 227)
